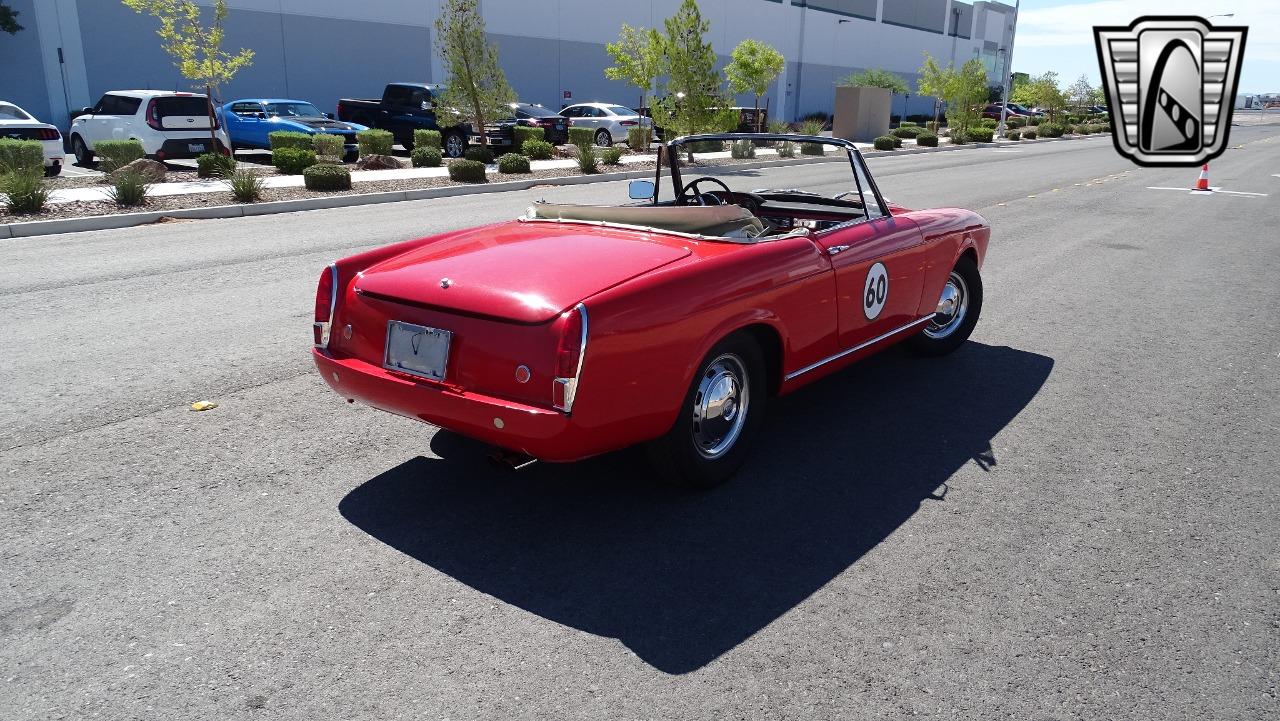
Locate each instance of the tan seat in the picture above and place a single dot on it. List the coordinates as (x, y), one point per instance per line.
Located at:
(711, 220)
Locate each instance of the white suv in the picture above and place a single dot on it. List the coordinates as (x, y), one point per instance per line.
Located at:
(169, 125)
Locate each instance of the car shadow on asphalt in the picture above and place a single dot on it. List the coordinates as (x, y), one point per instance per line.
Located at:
(682, 577)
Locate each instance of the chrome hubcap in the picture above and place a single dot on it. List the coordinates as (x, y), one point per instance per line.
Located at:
(953, 306)
(720, 406)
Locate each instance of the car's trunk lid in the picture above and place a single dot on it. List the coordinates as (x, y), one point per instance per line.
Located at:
(527, 272)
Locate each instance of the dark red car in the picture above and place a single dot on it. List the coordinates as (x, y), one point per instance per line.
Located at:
(555, 127)
(578, 329)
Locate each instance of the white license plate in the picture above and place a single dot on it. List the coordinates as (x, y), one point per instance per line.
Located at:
(195, 148)
(417, 350)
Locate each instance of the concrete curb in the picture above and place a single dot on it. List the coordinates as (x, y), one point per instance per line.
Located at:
(127, 220)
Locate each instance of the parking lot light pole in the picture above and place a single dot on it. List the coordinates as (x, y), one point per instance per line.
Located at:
(1008, 67)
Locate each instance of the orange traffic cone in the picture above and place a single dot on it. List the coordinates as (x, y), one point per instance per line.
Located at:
(1203, 182)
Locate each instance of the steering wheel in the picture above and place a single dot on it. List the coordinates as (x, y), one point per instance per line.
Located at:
(685, 197)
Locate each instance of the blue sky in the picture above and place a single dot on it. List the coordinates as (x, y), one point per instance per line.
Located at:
(1058, 34)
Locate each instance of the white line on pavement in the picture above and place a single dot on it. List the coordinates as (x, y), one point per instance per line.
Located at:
(1211, 191)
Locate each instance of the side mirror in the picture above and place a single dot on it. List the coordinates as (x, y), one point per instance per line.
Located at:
(640, 189)
(329, 116)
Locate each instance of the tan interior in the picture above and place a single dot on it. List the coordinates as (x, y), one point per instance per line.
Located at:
(713, 220)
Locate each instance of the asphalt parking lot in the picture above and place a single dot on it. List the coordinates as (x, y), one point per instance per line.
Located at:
(1072, 517)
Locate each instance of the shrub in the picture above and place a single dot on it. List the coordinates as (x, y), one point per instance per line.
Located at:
(537, 149)
(246, 186)
(582, 136)
(479, 153)
(524, 134)
(1029, 134)
(513, 163)
(426, 139)
(375, 142)
(129, 189)
(328, 144)
(884, 142)
(214, 165)
(290, 139)
(327, 177)
(1015, 122)
(1051, 130)
(467, 171)
(909, 131)
(981, 135)
(908, 124)
(743, 149)
(819, 117)
(1034, 120)
(932, 126)
(706, 146)
(425, 156)
(613, 155)
(811, 127)
(291, 161)
(988, 123)
(18, 156)
(787, 150)
(1013, 135)
(25, 189)
(587, 159)
(958, 138)
(929, 140)
(116, 154)
(638, 138)
(779, 127)
(813, 149)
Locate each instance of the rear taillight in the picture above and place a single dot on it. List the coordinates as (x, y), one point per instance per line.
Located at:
(49, 134)
(153, 115)
(326, 299)
(569, 354)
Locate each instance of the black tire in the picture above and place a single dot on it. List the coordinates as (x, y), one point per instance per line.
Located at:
(453, 144)
(52, 170)
(84, 156)
(688, 454)
(603, 138)
(945, 333)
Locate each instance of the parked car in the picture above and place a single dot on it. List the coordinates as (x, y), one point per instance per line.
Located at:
(250, 122)
(405, 107)
(1015, 108)
(18, 124)
(611, 122)
(577, 329)
(168, 124)
(992, 110)
(555, 127)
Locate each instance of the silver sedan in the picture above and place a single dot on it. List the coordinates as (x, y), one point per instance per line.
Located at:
(611, 122)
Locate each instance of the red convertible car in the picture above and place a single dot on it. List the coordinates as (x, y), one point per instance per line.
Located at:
(576, 329)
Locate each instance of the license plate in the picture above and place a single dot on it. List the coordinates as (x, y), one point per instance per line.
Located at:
(195, 147)
(417, 350)
(559, 126)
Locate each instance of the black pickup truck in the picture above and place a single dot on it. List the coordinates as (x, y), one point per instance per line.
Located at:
(406, 107)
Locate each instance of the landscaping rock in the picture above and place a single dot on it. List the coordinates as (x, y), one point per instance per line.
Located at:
(567, 151)
(154, 171)
(379, 162)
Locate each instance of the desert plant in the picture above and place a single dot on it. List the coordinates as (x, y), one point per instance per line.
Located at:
(908, 131)
(537, 149)
(988, 123)
(1015, 122)
(928, 140)
(932, 126)
(479, 153)
(582, 136)
(18, 156)
(25, 190)
(638, 138)
(980, 135)
(812, 127)
(467, 171)
(587, 159)
(375, 142)
(743, 149)
(884, 142)
(787, 150)
(524, 134)
(812, 149)
(958, 137)
(1034, 121)
(129, 189)
(291, 161)
(426, 157)
(1029, 134)
(214, 165)
(327, 177)
(116, 154)
(1014, 135)
(513, 163)
(779, 127)
(423, 138)
(246, 186)
(328, 144)
(290, 139)
(1051, 130)
(611, 155)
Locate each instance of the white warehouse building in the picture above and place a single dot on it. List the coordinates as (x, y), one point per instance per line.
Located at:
(72, 51)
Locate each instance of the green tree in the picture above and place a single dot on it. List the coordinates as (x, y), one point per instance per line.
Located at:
(477, 87)
(1080, 92)
(876, 78)
(695, 102)
(637, 58)
(1042, 92)
(962, 90)
(196, 49)
(8, 19)
(752, 66)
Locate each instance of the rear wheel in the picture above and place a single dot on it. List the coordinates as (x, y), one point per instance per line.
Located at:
(455, 145)
(722, 412)
(52, 170)
(84, 156)
(957, 312)
(603, 138)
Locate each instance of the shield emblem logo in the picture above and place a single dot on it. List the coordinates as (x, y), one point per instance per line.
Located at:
(1171, 87)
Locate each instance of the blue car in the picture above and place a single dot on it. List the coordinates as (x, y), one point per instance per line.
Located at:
(251, 121)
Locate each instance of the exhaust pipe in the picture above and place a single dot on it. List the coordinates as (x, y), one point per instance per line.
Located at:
(510, 460)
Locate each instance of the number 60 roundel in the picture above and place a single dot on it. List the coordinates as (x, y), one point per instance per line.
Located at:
(875, 291)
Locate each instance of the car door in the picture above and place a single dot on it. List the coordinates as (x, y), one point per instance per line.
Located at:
(247, 124)
(95, 127)
(879, 264)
